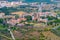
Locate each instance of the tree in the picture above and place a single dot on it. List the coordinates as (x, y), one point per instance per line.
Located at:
(42, 37)
(5, 10)
(1, 20)
(50, 17)
(17, 16)
(29, 18)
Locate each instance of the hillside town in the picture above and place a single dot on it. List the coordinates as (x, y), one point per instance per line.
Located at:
(29, 21)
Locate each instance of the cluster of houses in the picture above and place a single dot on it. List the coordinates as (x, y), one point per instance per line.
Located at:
(35, 16)
(11, 4)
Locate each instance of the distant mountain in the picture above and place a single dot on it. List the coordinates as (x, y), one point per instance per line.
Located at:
(9, 0)
(48, 1)
(3, 0)
(28, 1)
(37, 0)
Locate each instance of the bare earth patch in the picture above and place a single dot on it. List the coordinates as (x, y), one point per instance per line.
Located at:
(50, 36)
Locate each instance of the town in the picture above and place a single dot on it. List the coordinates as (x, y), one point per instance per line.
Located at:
(29, 21)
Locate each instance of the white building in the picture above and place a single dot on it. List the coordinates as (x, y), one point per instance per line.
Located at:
(2, 15)
(3, 3)
(58, 5)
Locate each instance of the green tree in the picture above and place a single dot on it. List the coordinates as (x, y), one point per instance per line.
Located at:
(5, 10)
(1, 20)
(17, 16)
(50, 17)
(29, 18)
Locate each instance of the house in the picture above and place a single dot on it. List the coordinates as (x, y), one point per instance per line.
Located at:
(11, 22)
(38, 16)
(9, 16)
(58, 16)
(2, 15)
(21, 24)
(15, 21)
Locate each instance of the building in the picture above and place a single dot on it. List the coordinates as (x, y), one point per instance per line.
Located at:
(3, 3)
(58, 16)
(2, 15)
(9, 16)
(15, 21)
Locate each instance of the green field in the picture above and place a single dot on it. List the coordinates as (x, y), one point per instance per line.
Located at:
(56, 31)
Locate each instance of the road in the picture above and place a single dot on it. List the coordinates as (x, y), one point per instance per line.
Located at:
(11, 34)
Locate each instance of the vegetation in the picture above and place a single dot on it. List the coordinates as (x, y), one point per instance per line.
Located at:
(1, 20)
(9, 10)
(30, 31)
(2, 27)
(51, 17)
(16, 16)
(29, 18)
